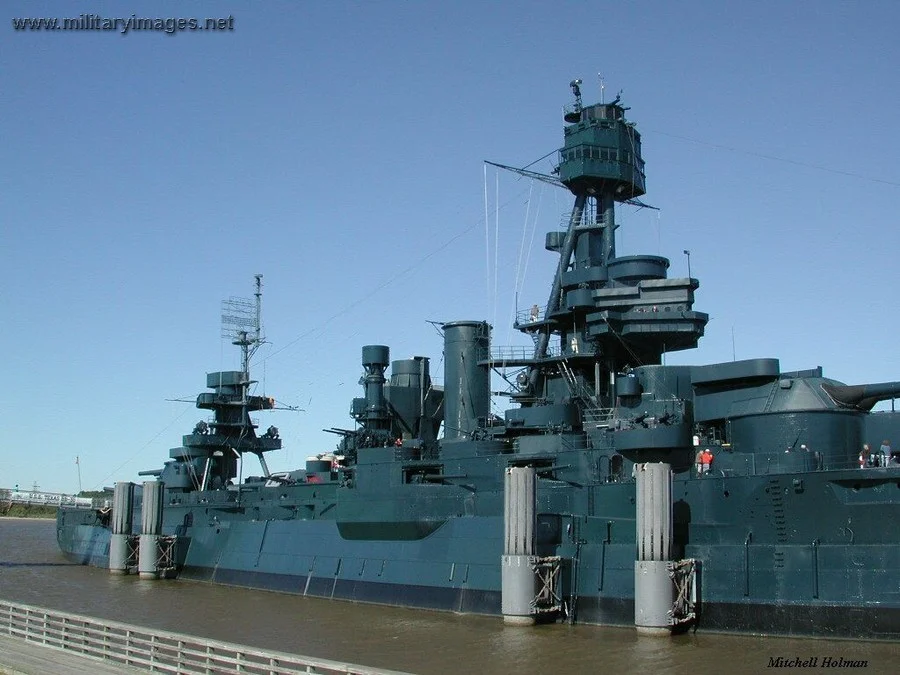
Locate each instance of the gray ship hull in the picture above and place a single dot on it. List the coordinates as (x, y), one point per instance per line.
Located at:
(811, 588)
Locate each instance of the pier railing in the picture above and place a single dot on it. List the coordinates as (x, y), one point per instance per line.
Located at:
(30, 498)
(155, 650)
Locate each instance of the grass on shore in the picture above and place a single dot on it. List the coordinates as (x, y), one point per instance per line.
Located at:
(27, 511)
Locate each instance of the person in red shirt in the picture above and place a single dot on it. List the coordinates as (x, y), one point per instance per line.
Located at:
(706, 458)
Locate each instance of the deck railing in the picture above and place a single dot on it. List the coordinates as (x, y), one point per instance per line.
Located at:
(155, 650)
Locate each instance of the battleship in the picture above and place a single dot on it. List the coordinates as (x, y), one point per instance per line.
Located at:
(614, 490)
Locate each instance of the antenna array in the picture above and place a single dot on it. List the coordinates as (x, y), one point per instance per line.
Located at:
(239, 319)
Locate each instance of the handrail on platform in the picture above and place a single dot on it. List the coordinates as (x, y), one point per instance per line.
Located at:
(156, 650)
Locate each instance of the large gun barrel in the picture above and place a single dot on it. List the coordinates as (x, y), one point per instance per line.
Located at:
(862, 396)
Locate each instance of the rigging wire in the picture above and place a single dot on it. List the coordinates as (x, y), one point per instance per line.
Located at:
(141, 449)
(658, 234)
(519, 279)
(487, 245)
(775, 158)
(387, 282)
(637, 359)
(537, 215)
(552, 152)
(496, 240)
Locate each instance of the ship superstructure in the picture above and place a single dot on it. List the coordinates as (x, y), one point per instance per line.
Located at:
(208, 457)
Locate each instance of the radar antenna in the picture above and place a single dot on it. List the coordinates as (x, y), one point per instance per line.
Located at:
(242, 323)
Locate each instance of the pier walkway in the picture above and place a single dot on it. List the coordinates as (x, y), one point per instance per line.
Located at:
(37, 641)
(21, 657)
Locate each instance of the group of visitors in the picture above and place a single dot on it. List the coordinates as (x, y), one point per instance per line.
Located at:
(703, 461)
(883, 458)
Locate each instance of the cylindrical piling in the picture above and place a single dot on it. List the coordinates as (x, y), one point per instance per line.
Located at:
(123, 503)
(654, 589)
(518, 578)
(151, 527)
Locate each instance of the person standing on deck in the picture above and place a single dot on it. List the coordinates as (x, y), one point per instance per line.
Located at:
(865, 456)
(706, 458)
(885, 452)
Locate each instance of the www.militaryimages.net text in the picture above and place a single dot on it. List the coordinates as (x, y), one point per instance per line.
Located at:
(124, 25)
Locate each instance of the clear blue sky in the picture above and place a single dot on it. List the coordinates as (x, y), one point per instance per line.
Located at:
(337, 148)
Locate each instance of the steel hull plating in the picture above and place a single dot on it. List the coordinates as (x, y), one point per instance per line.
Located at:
(814, 589)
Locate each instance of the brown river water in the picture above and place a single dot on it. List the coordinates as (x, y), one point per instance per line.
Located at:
(33, 571)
